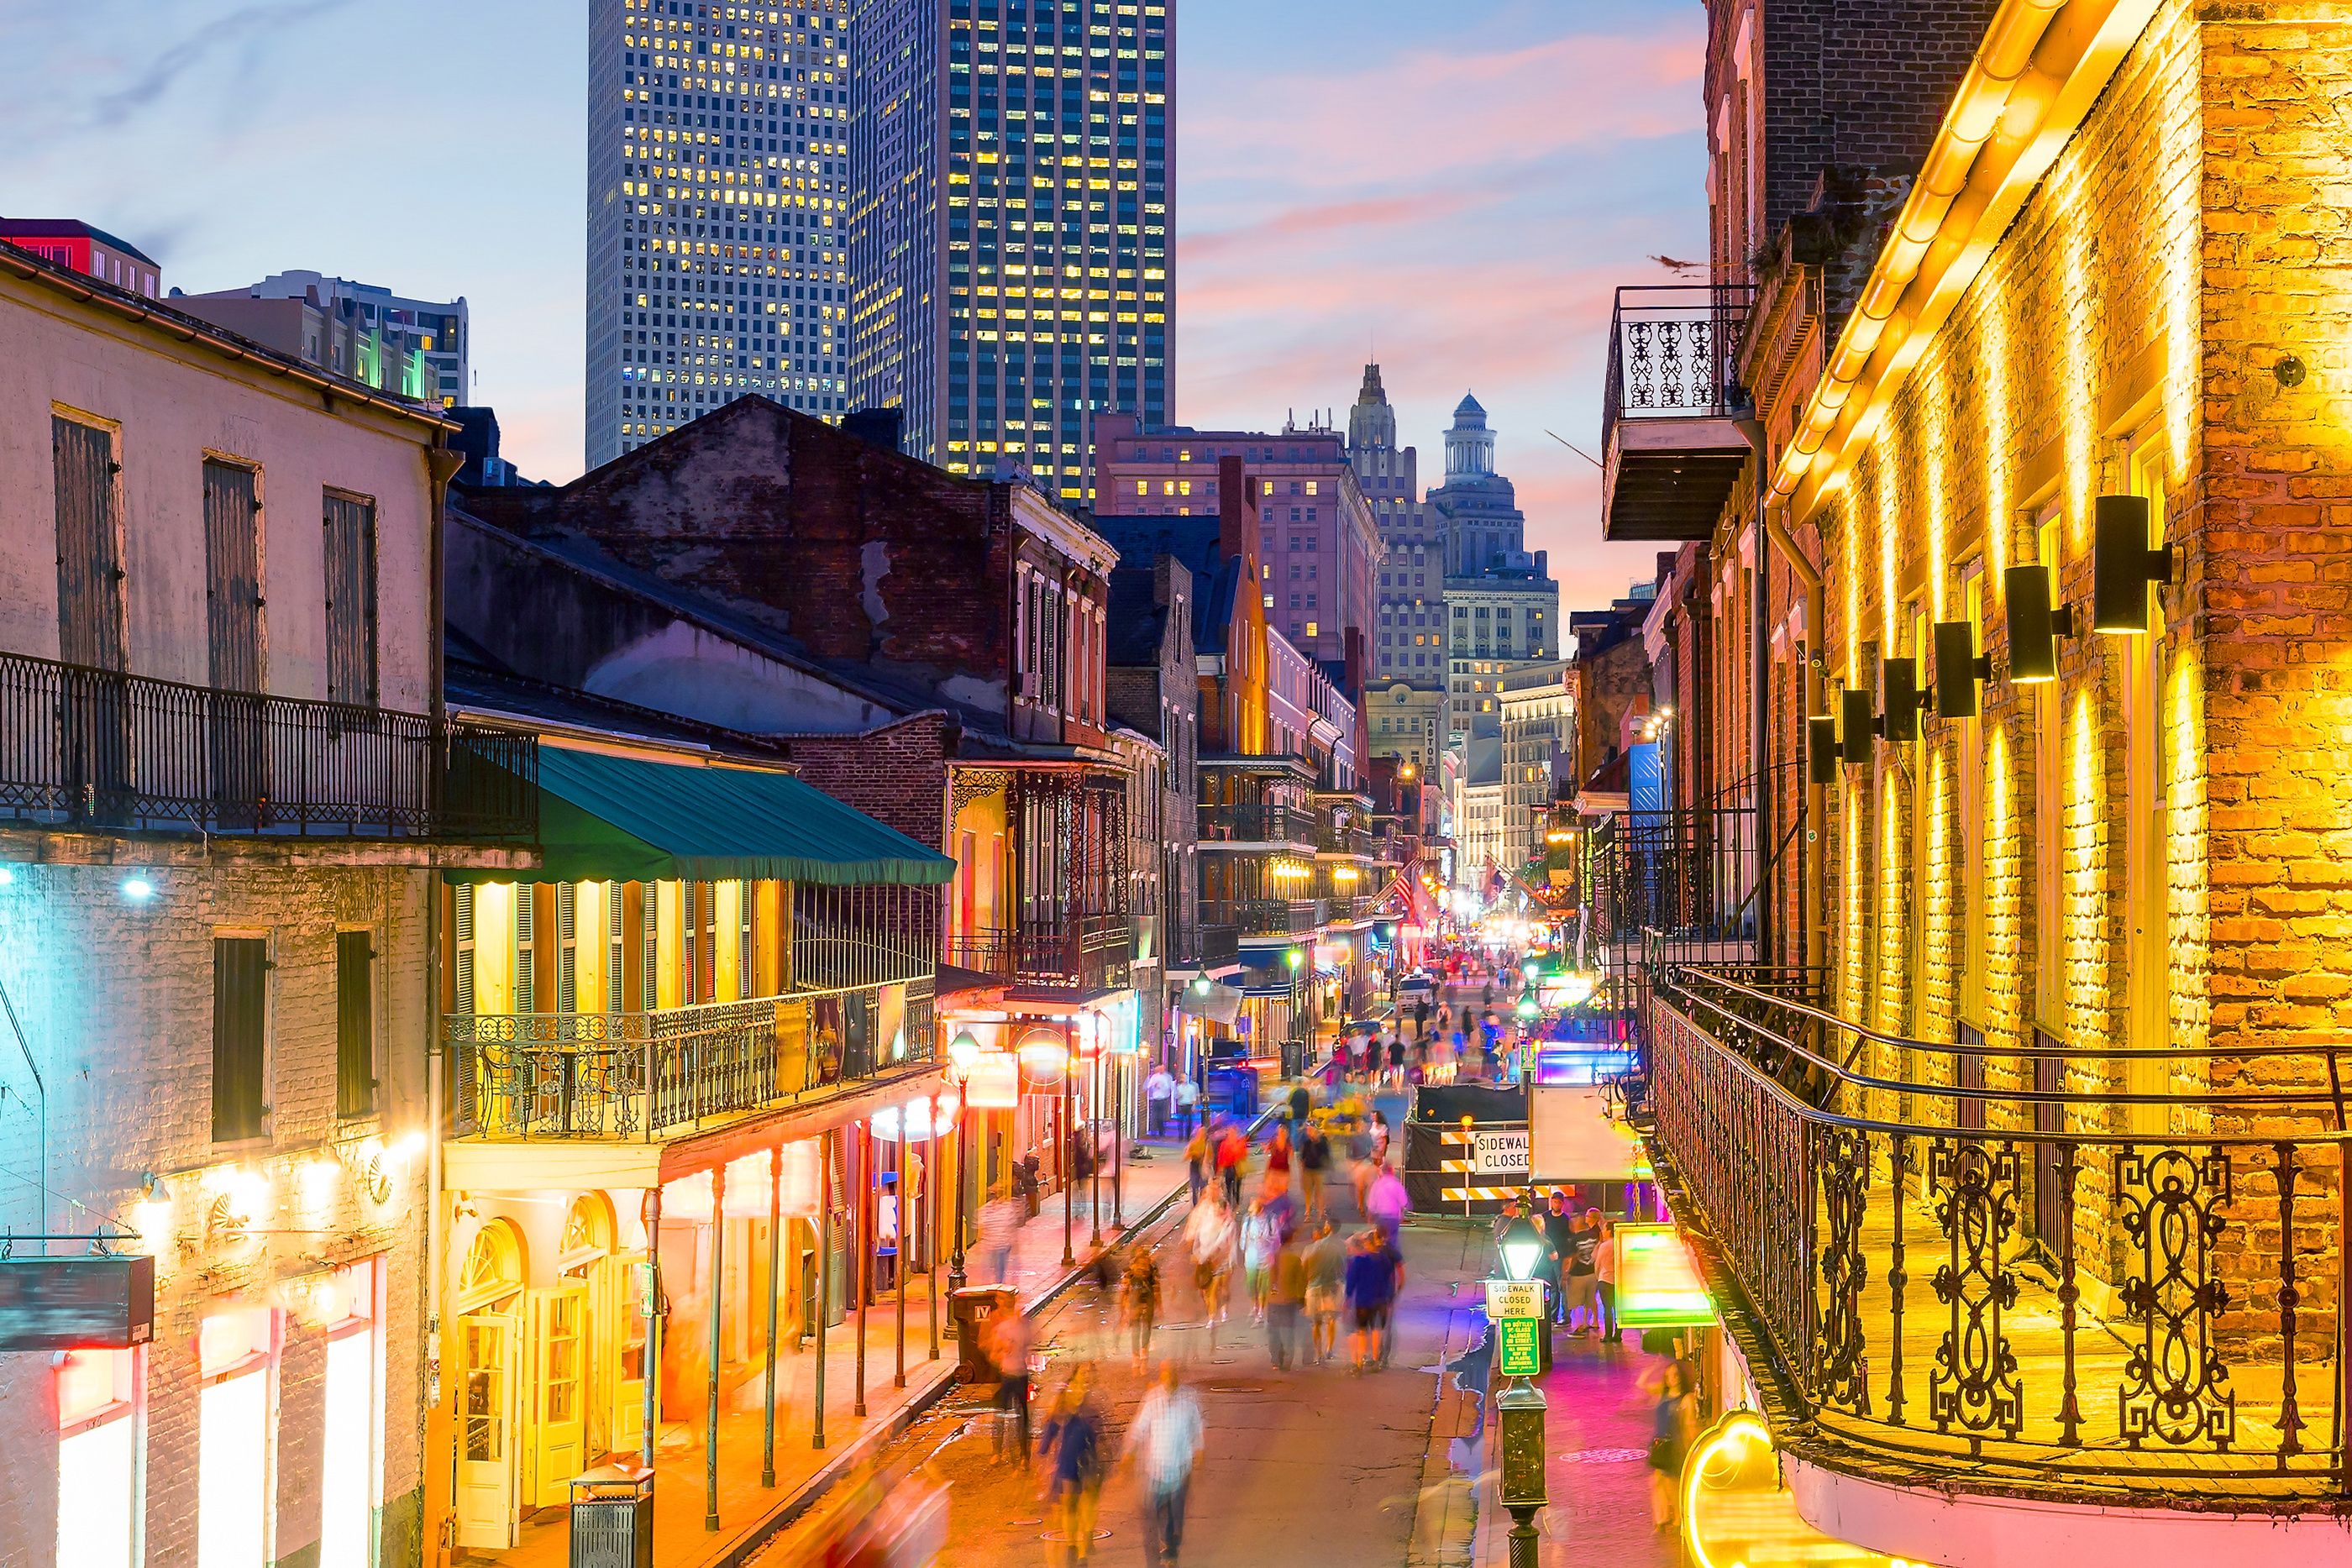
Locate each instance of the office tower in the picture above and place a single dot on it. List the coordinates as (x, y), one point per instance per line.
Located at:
(415, 348)
(1318, 538)
(1502, 607)
(1408, 646)
(718, 195)
(1009, 236)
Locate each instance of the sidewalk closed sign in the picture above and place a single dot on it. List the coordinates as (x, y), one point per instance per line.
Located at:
(1499, 1153)
(1514, 1299)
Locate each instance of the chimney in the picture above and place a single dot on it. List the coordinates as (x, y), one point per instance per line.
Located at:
(1237, 512)
(878, 427)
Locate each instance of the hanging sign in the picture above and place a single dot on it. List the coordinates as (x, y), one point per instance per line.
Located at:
(995, 1081)
(77, 1303)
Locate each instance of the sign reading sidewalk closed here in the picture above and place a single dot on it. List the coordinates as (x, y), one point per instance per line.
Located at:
(1499, 1154)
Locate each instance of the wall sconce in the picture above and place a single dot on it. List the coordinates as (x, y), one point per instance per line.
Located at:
(1900, 696)
(2034, 625)
(2123, 565)
(1821, 748)
(1958, 668)
(1859, 725)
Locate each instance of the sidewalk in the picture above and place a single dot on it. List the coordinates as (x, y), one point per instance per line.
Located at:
(1596, 1466)
(750, 1513)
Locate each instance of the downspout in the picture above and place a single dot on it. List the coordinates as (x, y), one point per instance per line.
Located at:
(1759, 682)
(441, 468)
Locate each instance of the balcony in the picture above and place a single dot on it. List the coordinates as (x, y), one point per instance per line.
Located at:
(90, 749)
(1265, 917)
(651, 1076)
(1355, 843)
(1670, 444)
(1219, 947)
(1082, 953)
(2046, 1273)
(1255, 827)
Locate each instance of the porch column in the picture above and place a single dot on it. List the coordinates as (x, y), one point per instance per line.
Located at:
(824, 1276)
(710, 1415)
(651, 1211)
(1118, 1143)
(905, 1234)
(862, 1237)
(1069, 1187)
(932, 1220)
(1093, 1157)
(775, 1252)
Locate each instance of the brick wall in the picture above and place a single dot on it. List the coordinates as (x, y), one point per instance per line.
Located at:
(896, 775)
(116, 1001)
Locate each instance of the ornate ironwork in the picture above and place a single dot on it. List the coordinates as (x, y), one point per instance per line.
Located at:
(1975, 1383)
(2290, 1295)
(966, 785)
(2171, 1204)
(2070, 1296)
(1899, 1179)
(1842, 1369)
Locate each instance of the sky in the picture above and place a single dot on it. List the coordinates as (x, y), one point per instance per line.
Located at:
(1454, 189)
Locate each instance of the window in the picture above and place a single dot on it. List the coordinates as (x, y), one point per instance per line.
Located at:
(240, 1038)
(90, 628)
(236, 1357)
(354, 1023)
(98, 1394)
(350, 522)
(232, 605)
(351, 1469)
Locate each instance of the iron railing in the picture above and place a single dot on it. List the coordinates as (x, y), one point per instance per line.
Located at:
(1255, 824)
(1265, 916)
(2040, 1270)
(85, 748)
(1348, 841)
(1085, 952)
(1217, 947)
(1673, 353)
(863, 935)
(656, 1074)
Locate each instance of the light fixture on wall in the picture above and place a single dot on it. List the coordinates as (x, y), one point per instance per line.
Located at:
(1958, 668)
(1900, 699)
(1821, 748)
(2123, 565)
(2035, 624)
(1859, 724)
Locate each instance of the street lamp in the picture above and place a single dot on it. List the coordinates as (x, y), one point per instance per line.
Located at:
(1522, 1413)
(1295, 958)
(963, 1052)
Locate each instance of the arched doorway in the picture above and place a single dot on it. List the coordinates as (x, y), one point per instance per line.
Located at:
(613, 1334)
(489, 1301)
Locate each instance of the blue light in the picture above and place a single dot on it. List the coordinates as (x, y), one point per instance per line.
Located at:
(7, 876)
(138, 890)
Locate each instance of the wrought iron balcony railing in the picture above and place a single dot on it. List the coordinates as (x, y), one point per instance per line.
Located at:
(1674, 352)
(2043, 1271)
(91, 748)
(652, 1075)
(1218, 946)
(1255, 824)
(1085, 952)
(1265, 916)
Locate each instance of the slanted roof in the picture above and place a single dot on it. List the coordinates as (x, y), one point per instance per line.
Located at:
(605, 817)
(1138, 620)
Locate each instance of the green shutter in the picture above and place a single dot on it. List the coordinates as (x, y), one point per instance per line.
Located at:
(354, 1023)
(240, 1038)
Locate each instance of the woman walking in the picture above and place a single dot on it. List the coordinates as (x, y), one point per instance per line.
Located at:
(1674, 1425)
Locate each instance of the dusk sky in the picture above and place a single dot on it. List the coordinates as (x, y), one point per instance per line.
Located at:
(1454, 189)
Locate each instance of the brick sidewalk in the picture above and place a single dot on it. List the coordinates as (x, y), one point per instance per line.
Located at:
(1596, 1470)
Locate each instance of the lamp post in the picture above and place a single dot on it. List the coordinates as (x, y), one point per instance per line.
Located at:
(1521, 1412)
(963, 1051)
(1069, 1188)
(1295, 958)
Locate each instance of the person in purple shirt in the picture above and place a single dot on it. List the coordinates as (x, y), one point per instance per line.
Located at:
(1375, 1270)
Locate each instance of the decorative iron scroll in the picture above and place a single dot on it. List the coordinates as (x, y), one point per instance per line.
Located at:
(1975, 1386)
(2171, 1204)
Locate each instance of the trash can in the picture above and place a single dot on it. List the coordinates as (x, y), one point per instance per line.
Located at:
(971, 1308)
(1294, 1059)
(612, 1518)
(1233, 1090)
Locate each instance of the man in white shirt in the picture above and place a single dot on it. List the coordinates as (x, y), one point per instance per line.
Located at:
(1159, 1096)
(1164, 1440)
(1188, 1107)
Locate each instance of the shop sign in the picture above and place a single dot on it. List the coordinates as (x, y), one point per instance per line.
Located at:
(995, 1081)
(1658, 1286)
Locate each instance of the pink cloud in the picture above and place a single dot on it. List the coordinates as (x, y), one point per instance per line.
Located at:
(1427, 112)
(1321, 220)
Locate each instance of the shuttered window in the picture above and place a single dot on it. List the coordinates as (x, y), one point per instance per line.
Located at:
(233, 575)
(350, 522)
(649, 968)
(747, 982)
(463, 897)
(240, 1038)
(89, 546)
(616, 900)
(354, 1023)
(567, 948)
(526, 950)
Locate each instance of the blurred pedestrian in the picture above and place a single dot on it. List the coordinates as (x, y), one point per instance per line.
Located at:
(1580, 1272)
(1141, 1293)
(1008, 1349)
(1196, 1162)
(1159, 1096)
(1072, 1446)
(1604, 1278)
(1314, 1161)
(1369, 1284)
(1164, 1440)
(1260, 1242)
(1233, 1153)
(1285, 1305)
(1560, 1229)
(1674, 1424)
(1209, 1239)
(1385, 1203)
(1188, 1107)
(1326, 1259)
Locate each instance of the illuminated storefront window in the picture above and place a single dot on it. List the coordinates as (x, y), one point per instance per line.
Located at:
(98, 1394)
(237, 1361)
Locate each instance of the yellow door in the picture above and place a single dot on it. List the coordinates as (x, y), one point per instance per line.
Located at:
(488, 1432)
(559, 1404)
(620, 1352)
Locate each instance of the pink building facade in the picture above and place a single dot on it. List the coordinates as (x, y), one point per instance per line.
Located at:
(1318, 535)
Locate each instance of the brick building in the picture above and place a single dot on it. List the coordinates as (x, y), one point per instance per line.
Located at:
(229, 778)
(2047, 499)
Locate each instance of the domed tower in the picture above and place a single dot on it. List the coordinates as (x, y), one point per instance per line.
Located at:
(1469, 446)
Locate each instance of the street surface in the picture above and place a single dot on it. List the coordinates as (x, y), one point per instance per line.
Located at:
(1317, 1460)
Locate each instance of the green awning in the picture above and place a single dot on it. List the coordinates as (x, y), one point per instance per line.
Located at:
(624, 819)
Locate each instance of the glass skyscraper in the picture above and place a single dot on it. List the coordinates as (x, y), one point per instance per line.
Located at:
(1010, 225)
(718, 209)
